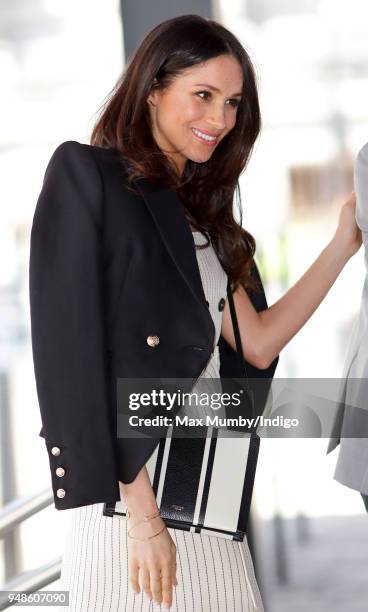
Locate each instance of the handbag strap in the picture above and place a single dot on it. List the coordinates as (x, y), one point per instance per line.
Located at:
(239, 348)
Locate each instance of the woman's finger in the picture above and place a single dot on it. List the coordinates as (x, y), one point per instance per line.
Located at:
(173, 575)
(145, 581)
(173, 565)
(166, 584)
(155, 585)
(133, 572)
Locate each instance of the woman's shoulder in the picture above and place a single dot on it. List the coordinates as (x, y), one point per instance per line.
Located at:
(72, 149)
(87, 162)
(73, 165)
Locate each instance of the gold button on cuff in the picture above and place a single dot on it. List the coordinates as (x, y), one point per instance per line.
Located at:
(153, 340)
(60, 492)
(60, 471)
(55, 451)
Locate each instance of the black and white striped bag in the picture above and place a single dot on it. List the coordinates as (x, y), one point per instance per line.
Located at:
(204, 484)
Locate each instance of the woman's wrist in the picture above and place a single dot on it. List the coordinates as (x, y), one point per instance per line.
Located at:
(342, 249)
(146, 526)
(139, 510)
(139, 497)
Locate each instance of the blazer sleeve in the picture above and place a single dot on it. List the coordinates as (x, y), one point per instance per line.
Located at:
(67, 330)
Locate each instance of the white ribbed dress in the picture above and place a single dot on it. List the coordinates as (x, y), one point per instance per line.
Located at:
(214, 574)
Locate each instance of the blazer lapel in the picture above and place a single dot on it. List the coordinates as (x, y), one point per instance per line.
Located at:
(168, 214)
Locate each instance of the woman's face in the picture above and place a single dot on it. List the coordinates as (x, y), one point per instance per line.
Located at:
(191, 116)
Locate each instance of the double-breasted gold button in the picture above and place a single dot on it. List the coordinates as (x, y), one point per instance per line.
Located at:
(153, 340)
(55, 451)
(60, 471)
(61, 493)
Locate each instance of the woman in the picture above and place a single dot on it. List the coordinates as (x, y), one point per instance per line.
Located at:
(118, 289)
(352, 419)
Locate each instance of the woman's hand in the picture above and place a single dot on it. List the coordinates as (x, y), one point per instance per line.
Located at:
(267, 332)
(348, 235)
(154, 559)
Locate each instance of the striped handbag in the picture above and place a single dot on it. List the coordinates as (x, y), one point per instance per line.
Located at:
(204, 484)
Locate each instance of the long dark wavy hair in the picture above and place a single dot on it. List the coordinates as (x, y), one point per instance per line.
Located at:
(207, 189)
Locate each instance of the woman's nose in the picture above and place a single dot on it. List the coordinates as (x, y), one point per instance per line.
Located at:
(216, 119)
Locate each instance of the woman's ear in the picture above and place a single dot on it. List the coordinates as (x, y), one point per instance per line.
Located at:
(152, 96)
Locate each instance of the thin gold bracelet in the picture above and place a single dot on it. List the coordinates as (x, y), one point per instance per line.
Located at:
(146, 518)
(144, 539)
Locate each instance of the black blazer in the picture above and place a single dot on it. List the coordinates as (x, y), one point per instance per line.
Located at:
(107, 269)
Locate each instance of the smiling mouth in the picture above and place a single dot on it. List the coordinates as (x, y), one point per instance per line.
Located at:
(204, 138)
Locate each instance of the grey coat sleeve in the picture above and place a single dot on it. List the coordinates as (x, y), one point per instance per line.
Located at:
(361, 188)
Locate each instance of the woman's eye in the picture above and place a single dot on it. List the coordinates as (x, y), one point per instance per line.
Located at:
(233, 101)
(207, 93)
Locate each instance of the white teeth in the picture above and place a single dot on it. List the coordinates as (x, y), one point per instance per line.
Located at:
(204, 136)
